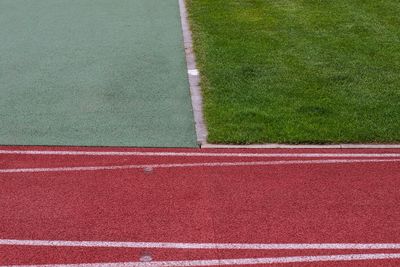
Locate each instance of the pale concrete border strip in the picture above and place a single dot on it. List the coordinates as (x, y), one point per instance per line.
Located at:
(194, 77)
(336, 146)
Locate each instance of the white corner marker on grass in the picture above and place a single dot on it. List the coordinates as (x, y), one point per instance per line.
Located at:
(192, 165)
(194, 72)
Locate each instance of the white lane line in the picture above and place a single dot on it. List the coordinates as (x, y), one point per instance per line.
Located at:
(228, 246)
(199, 154)
(205, 164)
(248, 261)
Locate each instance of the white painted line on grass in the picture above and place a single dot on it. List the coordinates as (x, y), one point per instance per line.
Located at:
(203, 164)
(224, 262)
(199, 154)
(220, 246)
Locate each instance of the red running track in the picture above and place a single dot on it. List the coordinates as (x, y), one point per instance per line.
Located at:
(192, 207)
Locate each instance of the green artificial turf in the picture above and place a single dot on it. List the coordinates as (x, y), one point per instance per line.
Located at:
(299, 71)
(93, 73)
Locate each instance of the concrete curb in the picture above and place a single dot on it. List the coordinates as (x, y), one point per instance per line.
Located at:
(285, 146)
(194, 77)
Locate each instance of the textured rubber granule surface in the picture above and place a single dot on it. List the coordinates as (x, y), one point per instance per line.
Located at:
(93, 72)
(294, 198)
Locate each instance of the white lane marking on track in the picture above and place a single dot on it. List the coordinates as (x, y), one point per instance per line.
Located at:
(205, 164)
(198, 154)
(248, 261)
(227, 246)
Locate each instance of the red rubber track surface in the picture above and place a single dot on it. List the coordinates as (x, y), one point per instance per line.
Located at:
(345, 202)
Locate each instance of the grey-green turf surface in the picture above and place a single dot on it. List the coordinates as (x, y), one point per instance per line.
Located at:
(93, 73)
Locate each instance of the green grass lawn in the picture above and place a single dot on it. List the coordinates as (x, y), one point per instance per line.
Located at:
(299, 71)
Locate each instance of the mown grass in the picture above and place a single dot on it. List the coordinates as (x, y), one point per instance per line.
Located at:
(299, 71)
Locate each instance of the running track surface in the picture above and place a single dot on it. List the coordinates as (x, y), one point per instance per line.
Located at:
(192, 207)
